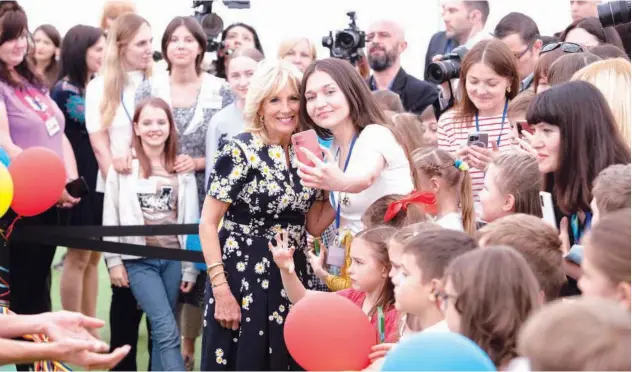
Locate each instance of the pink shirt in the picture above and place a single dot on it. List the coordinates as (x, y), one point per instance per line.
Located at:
(391, 317)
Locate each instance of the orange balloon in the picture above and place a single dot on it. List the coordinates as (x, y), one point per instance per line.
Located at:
(39, 178)
(327, 332)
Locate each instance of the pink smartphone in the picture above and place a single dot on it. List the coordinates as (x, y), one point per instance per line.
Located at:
(309, 140)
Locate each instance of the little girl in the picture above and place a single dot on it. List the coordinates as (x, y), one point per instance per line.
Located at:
(371, 288)
(512, 185)
(449, 179)
(152, 194)
(487, 295)
(377, 214)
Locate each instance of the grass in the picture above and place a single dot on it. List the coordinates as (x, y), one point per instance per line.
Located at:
(103, 312)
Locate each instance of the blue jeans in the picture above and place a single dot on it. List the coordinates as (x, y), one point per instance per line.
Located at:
(156, 285)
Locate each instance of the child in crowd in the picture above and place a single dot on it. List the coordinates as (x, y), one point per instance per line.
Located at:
(449, 179)
(371, 289)
(488, 294)
(409, 213)
(606, 263)
(611, 191)
(411, 128)
(580, 335)
(537, 241)
(512, 185)
(429, 121)
(388, 101)
(153, 194)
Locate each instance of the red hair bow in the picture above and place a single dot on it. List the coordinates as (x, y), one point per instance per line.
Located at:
(415, 197)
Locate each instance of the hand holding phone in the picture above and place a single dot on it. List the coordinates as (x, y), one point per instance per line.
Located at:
(77, 188)
(308, 140)
(522, 125)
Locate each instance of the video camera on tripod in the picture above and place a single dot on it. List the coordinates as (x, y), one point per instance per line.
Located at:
(345, 44)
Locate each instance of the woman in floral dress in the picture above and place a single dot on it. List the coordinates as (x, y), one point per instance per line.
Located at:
(255, 189)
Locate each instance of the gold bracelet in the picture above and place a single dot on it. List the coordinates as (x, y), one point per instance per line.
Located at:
(218, 284)
(217, 274)
(212, 266)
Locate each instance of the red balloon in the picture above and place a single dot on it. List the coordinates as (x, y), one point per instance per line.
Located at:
(327, 332)
(39, 178)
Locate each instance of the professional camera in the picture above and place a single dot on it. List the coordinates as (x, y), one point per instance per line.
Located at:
(211, 23)
(346, 43)
(448, 68)
(614, 13)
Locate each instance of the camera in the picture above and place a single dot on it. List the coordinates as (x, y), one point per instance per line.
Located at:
(346, 43)
(448, 68)
(614, 13)
(211, 23)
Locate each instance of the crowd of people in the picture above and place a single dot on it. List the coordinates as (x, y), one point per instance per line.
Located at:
(495, 205)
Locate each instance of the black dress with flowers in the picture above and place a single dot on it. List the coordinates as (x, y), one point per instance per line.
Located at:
(265, 197)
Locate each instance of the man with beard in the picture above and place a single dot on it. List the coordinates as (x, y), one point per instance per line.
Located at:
(386, 42)
(464, 20)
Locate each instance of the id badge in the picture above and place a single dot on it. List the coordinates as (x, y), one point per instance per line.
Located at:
(336, 256)
(52, 126)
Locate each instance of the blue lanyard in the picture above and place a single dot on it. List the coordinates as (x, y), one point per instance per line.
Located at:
(331, 194)
(502, 123)
(125, 108)
(578, 230)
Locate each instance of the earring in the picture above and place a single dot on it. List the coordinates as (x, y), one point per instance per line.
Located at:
(261, 119)
(508, 89)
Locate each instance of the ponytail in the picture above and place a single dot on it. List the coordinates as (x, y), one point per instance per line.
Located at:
(467, 203)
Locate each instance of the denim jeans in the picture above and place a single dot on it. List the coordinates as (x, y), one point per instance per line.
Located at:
(156, 284)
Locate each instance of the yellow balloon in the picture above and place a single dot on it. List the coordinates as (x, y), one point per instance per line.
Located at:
(6, 190)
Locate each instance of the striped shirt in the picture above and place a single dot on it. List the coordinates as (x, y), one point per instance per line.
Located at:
(452, 135)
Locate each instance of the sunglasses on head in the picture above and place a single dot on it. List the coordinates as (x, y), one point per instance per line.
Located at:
(566, 47)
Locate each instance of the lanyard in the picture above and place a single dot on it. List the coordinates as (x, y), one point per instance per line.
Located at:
(578, 229)
(125, 108)
(381, 324)
(333, 198)
(502, 123)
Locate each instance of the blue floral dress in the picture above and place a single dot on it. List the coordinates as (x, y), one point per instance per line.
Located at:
(265, 197)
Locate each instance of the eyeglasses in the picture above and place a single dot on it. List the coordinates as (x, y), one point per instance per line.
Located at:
(519, 55)
(566, 47)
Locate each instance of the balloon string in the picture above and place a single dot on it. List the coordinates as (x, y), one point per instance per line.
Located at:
(10, 229)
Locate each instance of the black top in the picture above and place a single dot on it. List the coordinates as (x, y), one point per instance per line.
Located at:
(415, 94)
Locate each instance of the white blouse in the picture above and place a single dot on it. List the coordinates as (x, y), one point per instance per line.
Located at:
(120, 131)
(395, 178)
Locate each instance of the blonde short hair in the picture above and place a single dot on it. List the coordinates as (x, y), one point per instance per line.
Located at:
(114, 8)
(612, 78)
(270, 78)
(288, 44)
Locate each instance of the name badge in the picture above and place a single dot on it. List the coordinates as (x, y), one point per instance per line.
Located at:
(146, 186)
(336, 256)
(52, 126)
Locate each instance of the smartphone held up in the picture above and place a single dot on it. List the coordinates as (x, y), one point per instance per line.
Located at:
(307, 140)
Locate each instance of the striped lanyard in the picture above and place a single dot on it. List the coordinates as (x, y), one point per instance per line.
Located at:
(502, 123)
(331, 194)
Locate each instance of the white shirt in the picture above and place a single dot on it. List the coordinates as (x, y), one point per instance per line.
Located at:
(120, 131)
(395, 178)
(451, 221)
(442, 326)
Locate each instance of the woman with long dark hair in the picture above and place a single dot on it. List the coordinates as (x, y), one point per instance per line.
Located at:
(29, 118)
(47, 42)
(576, 137)
(81, 57)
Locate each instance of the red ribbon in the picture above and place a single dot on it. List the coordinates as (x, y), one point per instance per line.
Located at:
(428, 199)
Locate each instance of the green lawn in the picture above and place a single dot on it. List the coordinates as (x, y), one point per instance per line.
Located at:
(103, 311)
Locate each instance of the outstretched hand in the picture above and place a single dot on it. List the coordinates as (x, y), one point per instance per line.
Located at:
(282, 255)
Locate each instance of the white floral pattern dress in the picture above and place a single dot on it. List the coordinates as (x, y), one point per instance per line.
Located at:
(264, 198)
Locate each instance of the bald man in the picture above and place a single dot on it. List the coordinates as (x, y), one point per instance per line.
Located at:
(386, 41)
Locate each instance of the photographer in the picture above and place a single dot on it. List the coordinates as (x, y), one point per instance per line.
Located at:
(386, 42)
(488, 80)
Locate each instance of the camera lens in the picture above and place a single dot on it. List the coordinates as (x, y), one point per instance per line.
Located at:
(442, 71)
(345, 40)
